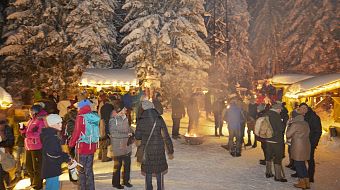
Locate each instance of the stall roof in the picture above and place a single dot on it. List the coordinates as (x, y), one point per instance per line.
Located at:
(314, 85)
(109, 77)
(5, 99)
(288, 79)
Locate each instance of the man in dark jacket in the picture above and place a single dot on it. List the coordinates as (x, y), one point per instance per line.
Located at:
(274, 145)
(178, 111)
(155, 160)
(6, 143)
(314, 123)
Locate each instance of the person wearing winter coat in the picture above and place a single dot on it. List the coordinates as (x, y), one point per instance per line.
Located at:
(6, 143)
(233, 117)
(84, 152)
(251, 119)
(120, 131)
(315, 127)
(105, 115)
(33, 145)
(217, 109)
(298, 133)
(155, 160)
(177, 113)
(193, 113)
(52, 154)
(157, 102)
(274, 145)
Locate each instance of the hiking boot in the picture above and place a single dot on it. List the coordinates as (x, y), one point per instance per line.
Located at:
(278, 173)
(238, 155)
(262, 162)
(307, 183)
(294, 175)
(301, 184)
(118, 186)
(128, 185)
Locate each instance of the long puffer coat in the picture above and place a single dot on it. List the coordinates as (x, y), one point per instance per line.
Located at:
(155, 151)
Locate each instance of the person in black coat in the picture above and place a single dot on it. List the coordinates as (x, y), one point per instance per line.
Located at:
(178, 112)
(217, 108)
(155, 160)
(315, 127)
(105, 115)
(6, 144)
(52, 154)
(274, 145)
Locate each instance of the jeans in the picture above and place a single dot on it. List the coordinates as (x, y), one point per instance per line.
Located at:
(52, 183)
(33, 165)
(160, 181)
(86, 177)
(301, 169)
(118, 161)
(237, 134)
(175, 126)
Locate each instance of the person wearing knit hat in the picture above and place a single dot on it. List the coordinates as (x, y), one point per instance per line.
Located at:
(146, 104)
(83, 103)
(54, 121)
(52, 154)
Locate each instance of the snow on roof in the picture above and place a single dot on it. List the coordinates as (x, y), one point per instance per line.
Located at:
(5, 99)
(109, 77)
(289, 78)
(314, 85)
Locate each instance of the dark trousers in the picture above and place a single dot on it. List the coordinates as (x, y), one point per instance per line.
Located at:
(33, 165)
(4, 178)
(274, 152)
(311, 164)
(175, 126)
(263, 147)
(86, 177)
(218, 121)
(160, 181)
(237, 134)
(243, 128)
(301, 169)
(118, 162)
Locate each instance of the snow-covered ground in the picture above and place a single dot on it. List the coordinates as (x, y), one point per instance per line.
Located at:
(210, 167)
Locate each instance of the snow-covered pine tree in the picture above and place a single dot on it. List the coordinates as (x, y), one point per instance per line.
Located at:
(264, 35)
(92, 33)
(239, 62)
(311, 37)
(163, 41)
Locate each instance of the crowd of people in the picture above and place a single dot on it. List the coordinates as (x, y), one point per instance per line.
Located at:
(105, 119)
(82, 125)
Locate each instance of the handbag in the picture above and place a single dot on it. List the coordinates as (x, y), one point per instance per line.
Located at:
(141, 149)
(131, 139)
(8, 162)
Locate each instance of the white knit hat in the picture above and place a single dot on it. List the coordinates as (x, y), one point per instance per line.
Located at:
(53, 119)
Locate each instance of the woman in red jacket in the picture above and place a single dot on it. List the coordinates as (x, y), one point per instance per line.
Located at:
(84, 151)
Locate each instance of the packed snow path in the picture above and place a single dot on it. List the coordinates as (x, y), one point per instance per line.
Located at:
(210, 167)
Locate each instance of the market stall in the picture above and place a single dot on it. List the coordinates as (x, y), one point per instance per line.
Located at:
(123, 79)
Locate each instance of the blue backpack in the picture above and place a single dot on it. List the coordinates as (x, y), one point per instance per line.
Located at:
(91, 121)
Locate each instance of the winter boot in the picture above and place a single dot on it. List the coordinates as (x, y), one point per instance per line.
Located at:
(255, 144)
(221, 134)
(269, 172)
(278, 173)
(307, 183)
(301, 183)
(216, 135)
(249, 141)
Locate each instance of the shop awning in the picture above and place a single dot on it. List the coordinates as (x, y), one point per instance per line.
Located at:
(288, 79)
(108, 78)
(5, 99)
(314, 85)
